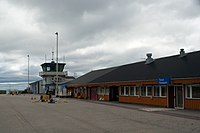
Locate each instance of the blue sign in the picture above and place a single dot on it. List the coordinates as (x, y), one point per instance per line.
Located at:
(164, 81)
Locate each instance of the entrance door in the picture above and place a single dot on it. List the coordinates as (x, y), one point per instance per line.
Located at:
(170, 96)
(93, 94)
(179, 97)
(114, 93)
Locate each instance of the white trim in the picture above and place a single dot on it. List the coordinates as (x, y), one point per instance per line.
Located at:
(146, 91)
(193, 98)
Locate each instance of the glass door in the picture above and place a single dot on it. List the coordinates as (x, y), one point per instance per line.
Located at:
(179, 97)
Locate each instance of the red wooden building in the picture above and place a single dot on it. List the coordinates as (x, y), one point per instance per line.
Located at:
(172, 81)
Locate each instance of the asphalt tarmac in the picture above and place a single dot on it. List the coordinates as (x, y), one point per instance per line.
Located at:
(20, 114)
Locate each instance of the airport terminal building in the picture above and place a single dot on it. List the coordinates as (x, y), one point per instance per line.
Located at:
(172, 82)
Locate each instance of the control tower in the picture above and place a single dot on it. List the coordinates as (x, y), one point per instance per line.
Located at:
(50, 76)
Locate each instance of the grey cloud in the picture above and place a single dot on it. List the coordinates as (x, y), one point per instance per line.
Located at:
(96, 61)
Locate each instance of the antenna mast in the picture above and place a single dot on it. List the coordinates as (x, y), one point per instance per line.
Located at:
(52, 55)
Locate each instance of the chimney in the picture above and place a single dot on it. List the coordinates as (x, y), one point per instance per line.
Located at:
(149, 59)
(182, 53)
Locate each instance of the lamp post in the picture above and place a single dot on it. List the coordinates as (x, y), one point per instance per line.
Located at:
(56, 63)
(28, 73)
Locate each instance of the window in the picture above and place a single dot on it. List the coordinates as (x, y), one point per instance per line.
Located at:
(81, 90)
(137, 90)
(149, 90)
(188, 91)
(132, 88)
(98, 90)
(48, 69)
(122, 90)
(157, 91)
(85, 90)
(196, 91)
(126, 90)
(143, 91)
(101, 90)
(76, 90)
(160, 91)
(163, 90)
(134, 91)
(146, 90)
(107, 91)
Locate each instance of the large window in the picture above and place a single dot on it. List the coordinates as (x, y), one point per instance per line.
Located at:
(85, 90)
(188, 91)
(156, 91)
(132, 90)
(160, 91)
(163, 90)
(193, 91)
(75, 90)
(107, 91)
(103, 90)
(81, 90)
(137, 90)
(143, 91)
(100, 90)
(48, 69)
(124, 90)
(149, 90)
(196, 91)
(146, 90)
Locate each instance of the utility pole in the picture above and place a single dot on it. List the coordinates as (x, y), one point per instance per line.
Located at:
(56, 63)
(28, 73)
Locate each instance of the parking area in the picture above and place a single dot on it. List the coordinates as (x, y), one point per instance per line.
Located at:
(19, 114)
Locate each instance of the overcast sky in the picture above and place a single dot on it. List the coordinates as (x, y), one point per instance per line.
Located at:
(93, 34)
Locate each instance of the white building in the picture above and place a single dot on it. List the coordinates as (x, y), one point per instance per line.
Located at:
(50, 77)
(37, 88)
